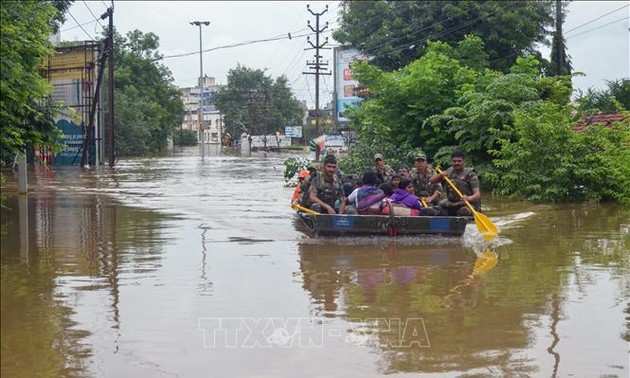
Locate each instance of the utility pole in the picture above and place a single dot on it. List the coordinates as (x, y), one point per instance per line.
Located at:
(559, 39)
(266, 120)
(250, 113)
(200, 115)
(90, 130)
(110, 105)
(318, 66)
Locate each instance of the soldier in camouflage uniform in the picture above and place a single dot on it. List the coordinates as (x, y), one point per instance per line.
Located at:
(466, 180)
(383, 172)
(425, 191)
(326, 188)
(305, 199)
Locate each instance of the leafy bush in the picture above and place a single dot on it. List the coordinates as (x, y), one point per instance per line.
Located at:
(547, 161)
(292, 166)
(185, 138)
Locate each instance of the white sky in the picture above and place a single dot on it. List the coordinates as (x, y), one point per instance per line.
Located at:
(602, 52)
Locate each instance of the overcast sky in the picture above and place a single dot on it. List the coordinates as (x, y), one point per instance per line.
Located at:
(599, 49)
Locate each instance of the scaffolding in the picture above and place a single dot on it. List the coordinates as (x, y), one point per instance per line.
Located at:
(72, 71)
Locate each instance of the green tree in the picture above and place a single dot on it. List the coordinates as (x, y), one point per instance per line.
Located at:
(25, 111)
(419, 105)
(185, 138)
(148, 105)
(545, 160)
(395, 33)
(551, 67)
(615, 97)
(516, 128)
(255, 102)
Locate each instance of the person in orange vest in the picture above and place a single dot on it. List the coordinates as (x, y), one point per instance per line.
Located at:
(296, 198)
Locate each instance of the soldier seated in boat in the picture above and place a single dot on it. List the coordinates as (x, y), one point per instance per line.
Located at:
(306, 186)
(326, 188)
(383, 172)
(466, 180)
(428, 193)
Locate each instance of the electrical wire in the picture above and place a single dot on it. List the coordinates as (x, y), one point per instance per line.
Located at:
(595, 19)
(92, 13)
(85, 31)
(599, 27)
(442, 34)
(375, 48)
(232, 46)
(295, 59)
(78, 26)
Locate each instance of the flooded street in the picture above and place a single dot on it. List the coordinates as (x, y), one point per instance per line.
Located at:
(187, 267)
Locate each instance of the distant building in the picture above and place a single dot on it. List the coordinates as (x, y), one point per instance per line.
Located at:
(193, 97)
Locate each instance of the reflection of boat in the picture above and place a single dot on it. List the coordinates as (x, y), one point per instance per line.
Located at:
(330, 269)
(349, 225)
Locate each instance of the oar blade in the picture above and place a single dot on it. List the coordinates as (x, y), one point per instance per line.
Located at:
(486, 261)
(485, 226)
(304, 209)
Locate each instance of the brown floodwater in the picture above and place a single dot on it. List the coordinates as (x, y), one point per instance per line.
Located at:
(187, 267)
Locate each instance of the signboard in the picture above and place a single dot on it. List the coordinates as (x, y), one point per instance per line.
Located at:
(72, 138)
(293, 131)
(344, 80)
(207, 103)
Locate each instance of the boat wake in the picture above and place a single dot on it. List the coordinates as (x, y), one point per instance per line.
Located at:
(513, 220)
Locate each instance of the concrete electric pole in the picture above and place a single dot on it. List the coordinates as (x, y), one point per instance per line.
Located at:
(318, 66)
(559, 39)
(200, 113)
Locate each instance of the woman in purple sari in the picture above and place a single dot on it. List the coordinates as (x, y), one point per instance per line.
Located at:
(405, 195)
(367, 198)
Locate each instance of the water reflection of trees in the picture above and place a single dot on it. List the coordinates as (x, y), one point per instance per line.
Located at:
(76, 243)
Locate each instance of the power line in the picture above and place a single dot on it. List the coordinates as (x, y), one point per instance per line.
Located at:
(574, 35)
(78, 26)
(93, 15)
(85, 31)
(298, 56)
(375, 48)
(232, 46)
(284, 58)
(599, 27)
(595, 19)
(446, 32)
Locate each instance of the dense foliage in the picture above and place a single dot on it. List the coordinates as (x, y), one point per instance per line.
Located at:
(614, 98)
(395, 33)
(546, 160)
(25, 112)
(148, 106)
(515, 127)
(254, 102)
(185, 138)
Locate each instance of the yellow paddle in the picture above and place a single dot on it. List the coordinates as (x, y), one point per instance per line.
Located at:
(486, 261)
(304, 209)
(485, 226)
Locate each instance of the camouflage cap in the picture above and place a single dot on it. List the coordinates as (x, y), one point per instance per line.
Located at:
(378, 156)
(420, 156)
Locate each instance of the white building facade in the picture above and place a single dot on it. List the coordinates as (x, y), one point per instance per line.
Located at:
(194, 99)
